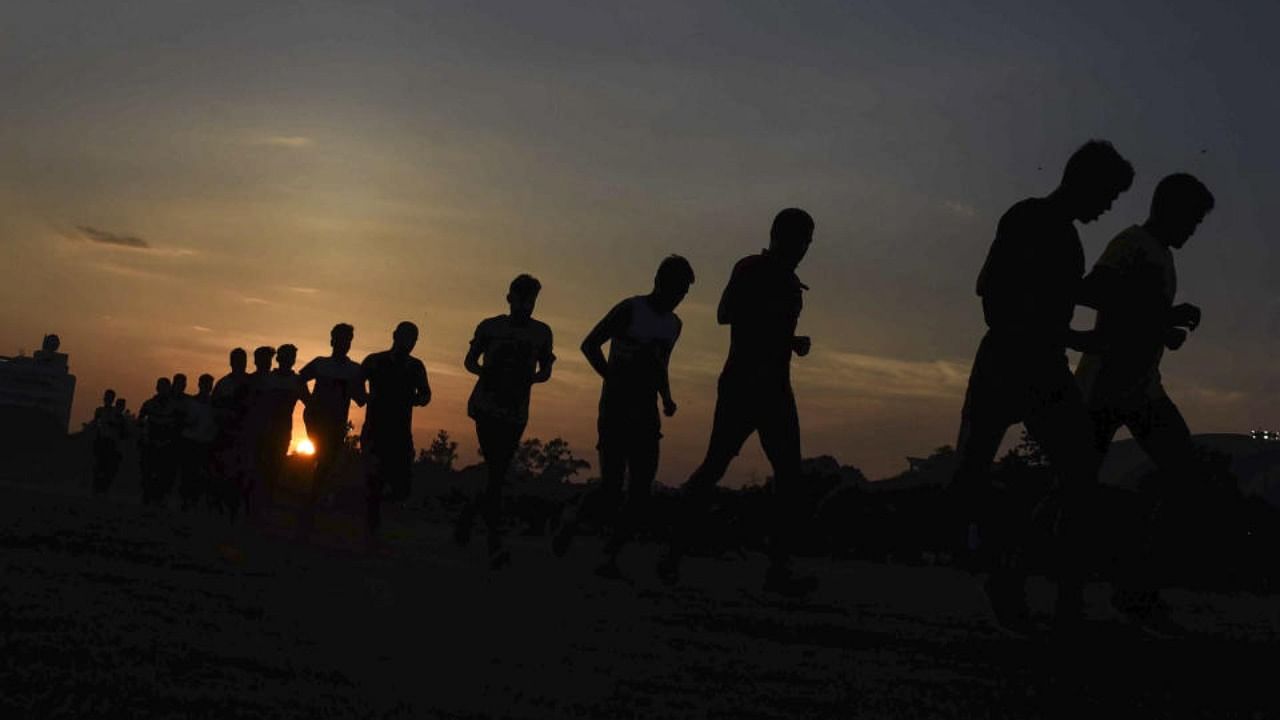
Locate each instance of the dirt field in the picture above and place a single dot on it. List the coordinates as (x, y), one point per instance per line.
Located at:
(112, 610)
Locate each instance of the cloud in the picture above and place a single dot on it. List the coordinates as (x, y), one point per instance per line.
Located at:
(201, 328)
(876, 376)
(304, 290)
(959, 208)
(294, 142)
(109, 238)
(255, 301)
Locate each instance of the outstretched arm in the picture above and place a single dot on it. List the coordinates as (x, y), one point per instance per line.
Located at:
(664, 376)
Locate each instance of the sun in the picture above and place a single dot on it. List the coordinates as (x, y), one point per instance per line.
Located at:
(305, 447)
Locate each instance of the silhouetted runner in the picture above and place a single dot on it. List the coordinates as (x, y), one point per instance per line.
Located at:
(108, 433)
(159, 419)
(516, 353)
(338, 382)
(1029, 286)
(283, 390)
(642, 332)
(195, 443)
(761, 305)
(397, 384)
(230, 401)
(1133, 286)
(254, 431)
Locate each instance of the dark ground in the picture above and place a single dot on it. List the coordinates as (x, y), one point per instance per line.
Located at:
(112, 610)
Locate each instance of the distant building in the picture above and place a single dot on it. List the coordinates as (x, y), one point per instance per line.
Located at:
(38, 385)
(1265, 435)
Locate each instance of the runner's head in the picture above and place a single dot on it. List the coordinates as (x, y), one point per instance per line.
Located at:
(790, 236)
(204, 384)
(120, 403)
(523, 295)
(672, 281)
(1179, 205)
(163, 386)
(1095, 176)
(239, 360)
(286, 356)
(179, 384)
(262, 358)
(404, 337)
(108, 397)
(340, 338)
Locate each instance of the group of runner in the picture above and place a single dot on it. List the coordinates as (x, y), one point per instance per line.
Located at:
(234, 434)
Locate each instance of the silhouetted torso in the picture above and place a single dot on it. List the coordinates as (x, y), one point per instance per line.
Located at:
(512, 350)
(161, 420)
(230, 401)
(336, 383)
(763, 300)
(638, 346)
(1031, 279)
(1134, 319)
(282, 390)
(393, 384)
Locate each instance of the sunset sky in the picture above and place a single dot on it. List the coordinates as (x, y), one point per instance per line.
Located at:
(180, 178)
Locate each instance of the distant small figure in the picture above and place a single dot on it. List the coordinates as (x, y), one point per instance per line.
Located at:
(516, 354)
(397, 384)
(761, 304)
(642, 332)
(157, 451)
(230, 402)
(109, 431)
(199, 431)
(1133, 286)
(339, 381)
(1030, 285)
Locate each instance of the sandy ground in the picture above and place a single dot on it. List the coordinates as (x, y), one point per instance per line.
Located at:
(112, 610)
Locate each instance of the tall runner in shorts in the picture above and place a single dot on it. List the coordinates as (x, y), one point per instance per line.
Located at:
(642, 332)
(761, 305)
(1133, 286)
(509, 353)
(1030, 285)
(338, 381)
(397, 384)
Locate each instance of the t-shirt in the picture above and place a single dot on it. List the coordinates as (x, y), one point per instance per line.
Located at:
(160, 418)
(281, 392)
(1030, 281)
(198, 421)
(230, 402)
(763, 301)
(1134, 317)
(512, 352)
(337, 382)
(640, 341)
(108, 423)
(394, 382)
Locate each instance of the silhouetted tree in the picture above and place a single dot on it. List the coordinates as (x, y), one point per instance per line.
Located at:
(552, 462)
(442, 453)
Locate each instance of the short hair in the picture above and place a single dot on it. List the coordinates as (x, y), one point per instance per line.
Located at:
(1180, 192)
(287, 349)
(179, 376)
(203, 379)
(674, 268)
(405, 327)
(1097, 162)
(108, 393)
(264, 352)
(238, 352)
(342, 330)
(525, 285)
(788, 223)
